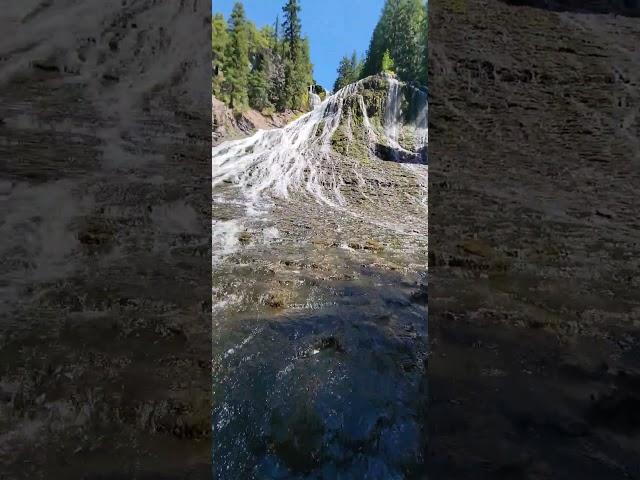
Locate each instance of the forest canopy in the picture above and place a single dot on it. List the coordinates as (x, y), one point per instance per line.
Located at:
(269, 69)
(265, 69)
(398, 44)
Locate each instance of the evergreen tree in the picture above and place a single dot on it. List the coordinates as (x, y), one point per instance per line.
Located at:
(297, 62)
(292, 28)
(388, 65)
(401, 30)
(424, 38)
(258, 86)
(385, 37)
(219, 41)
(260, 42)
(348, 71)
(409, 51)
(237, 60)
(264, 69)
(276, 34)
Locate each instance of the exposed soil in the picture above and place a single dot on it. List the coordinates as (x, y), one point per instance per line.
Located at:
(228, 124)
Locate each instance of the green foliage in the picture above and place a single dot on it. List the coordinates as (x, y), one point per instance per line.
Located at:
(266, 69)
(236, 68)
(292, 28)
(218, 46)
(388, 65)
(298, 68)
(258, 87)
(402, 31)
(348, 71)
(424, 37)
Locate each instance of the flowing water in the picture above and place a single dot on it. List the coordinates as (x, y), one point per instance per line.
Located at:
(319, 305)
(314, 98)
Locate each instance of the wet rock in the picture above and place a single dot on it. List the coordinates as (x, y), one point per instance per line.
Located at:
(331, 343)
(244, 237)
(276, 299)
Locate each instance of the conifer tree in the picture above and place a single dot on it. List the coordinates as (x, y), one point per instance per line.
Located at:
(260, 42)
(268, 68)
(348, 71)
(237, 59)
(388, 65)
(424, 42)
(297, 63)
(402, 31)
(292, 29)
(219, 41)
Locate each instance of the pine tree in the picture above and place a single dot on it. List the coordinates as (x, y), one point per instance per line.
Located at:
(258, 86)
(292, 28)
(402, 31)
(263, 69)
(385, 37)
(236, 67)
(276, 33)
(348, 71)
(297, 62)
(219, 41)
(409, 52)
(388, 65)
(260, 42)
(424, 38)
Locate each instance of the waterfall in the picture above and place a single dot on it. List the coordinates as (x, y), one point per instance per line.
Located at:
(314, 98)
(295, 157)
(274, 163)
(393, 111)
(422, 130)
(421, 122)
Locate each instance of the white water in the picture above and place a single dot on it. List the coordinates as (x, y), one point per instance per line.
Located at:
(314, 98)
(297, 158)
(393, 112)
(393, 117)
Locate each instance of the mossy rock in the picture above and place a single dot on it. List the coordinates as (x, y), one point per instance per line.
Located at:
(355, 147)
(244, 237)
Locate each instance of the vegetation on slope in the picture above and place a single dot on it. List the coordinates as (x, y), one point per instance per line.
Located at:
(266, 69)
(398, 44)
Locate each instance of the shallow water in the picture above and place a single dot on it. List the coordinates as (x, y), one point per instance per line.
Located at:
(332, 382)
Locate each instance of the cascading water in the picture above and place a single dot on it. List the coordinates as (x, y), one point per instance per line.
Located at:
(393, 112)
(314, 98)
(298, 156)
(320, 258)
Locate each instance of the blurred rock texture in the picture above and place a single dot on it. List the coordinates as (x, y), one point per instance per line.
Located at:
(534, 239)
(105, 133)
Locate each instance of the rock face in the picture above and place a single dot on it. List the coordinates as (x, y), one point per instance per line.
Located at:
(533, 241)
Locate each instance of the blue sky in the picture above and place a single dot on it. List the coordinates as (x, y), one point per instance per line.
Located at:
(334, 27)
